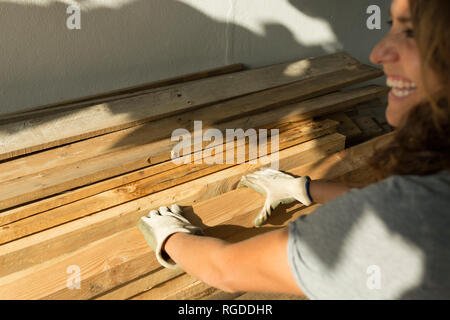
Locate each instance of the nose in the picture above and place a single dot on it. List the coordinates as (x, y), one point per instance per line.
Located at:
(384, 52)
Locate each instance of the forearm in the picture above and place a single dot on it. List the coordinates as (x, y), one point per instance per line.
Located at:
(323, 191)
(197, 255)
(259, 263)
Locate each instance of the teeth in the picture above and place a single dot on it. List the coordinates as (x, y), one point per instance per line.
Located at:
(401, 93)
(400, 84)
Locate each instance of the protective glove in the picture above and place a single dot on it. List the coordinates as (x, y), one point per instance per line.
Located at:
(159, 225)
(278, 188)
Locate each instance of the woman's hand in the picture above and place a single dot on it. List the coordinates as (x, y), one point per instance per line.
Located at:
(159, 225)
(278, 188)
(281, 188)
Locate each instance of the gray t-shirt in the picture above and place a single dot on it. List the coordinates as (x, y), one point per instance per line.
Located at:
(390, 240)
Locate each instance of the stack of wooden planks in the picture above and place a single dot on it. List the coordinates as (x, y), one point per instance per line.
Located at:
(77, 176)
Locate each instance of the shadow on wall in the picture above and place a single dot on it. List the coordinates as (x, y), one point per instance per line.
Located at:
(137, 41)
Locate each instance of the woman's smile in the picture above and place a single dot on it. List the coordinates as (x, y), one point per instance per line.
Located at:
(401, 88)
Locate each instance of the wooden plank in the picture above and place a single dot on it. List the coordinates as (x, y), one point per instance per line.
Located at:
(160, 180)
(27, 136)
(185, 287)
(45, 245)
(346, 125)
(222, 295)
(142, 284)
(109, 164)
(368, 126)
(175, 289)
(386, 128)
(150, 282)
(269, 296)
(52, 275)
(376, 109)
(117, 94)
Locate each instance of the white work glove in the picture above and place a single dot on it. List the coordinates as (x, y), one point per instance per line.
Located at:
(278, 188)
(159, 225)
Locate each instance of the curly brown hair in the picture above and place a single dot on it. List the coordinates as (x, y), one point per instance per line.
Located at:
(421, 143)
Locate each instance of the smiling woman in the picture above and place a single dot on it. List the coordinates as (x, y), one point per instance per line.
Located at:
(415, 56)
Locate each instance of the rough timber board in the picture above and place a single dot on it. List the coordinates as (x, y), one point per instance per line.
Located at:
(82, 172)
(174, 289)
(159, 181)
(117, 94)
(48, 131)
(346, 125)
(144, 283)
(368, 127)
(269, 296)
(45, 245)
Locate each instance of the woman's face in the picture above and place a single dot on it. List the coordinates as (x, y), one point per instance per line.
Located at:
(399, 55)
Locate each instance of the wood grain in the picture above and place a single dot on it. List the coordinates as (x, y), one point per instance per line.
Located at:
(73, 170)
(211, 115)
(346, 125)
(160, 179)
(105, 268)
(116, 94)
(40, 247)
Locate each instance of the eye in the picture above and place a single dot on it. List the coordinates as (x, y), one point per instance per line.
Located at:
(409, 33)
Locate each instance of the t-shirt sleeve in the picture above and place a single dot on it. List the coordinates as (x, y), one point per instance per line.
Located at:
(358, 246)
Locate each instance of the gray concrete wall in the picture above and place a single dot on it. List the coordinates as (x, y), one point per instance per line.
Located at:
(128, 42)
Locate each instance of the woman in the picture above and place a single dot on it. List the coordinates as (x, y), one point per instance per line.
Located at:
(388, 240)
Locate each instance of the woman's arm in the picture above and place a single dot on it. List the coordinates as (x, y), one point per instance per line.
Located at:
(257, 264)
(322, 191)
